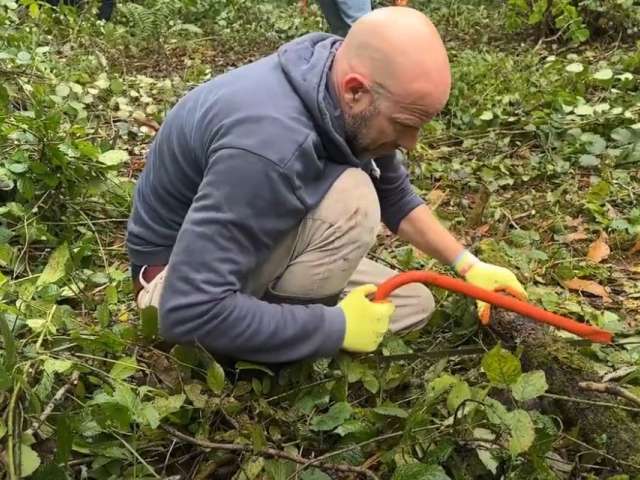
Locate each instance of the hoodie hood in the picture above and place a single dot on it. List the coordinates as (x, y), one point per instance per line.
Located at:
(306, 63)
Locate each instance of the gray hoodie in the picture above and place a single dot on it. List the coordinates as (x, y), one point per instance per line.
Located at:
(237, 164)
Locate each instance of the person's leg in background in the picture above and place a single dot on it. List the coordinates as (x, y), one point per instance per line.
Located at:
(106, 9)
(340, 14)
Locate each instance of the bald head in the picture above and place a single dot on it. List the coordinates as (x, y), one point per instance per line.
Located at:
(393, 60)
(399, 45)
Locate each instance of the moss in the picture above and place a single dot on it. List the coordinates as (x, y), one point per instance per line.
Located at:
(616, 431)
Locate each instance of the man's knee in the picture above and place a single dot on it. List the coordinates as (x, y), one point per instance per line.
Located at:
(352, 206)
(414, 308)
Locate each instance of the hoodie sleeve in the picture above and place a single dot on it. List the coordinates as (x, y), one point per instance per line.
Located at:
(395, 193)
(243, 206)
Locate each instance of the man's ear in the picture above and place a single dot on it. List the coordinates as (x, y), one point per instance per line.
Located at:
(355, 91)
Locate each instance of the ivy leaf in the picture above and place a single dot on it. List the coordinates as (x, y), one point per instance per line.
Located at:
(124, 368)
(335, 417)
(530, 385)
(112, 158)
(583, 110)
(215, 378)
(621, 135)
(501, 366)
(604, 74)
(574, 67)
(56, 266)
(29, 461)
(588, 160)
(419, 471)
(62, 90)
(522, 431)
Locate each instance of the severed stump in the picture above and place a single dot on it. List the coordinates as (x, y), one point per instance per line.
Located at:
(565, 367)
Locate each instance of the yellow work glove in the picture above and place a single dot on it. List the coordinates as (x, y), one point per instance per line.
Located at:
(366, 322)
(489, 277)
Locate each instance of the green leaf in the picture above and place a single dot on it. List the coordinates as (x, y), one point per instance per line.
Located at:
(62, 90)
(419, 471)
(496, 411)
(486, 115)
(335, 417)
(18, 167)
(149, 321)
(314, 474)
(215, 378)
(56, 266)
(124, 368)
(194, 393)
(391, 411)
(5, 380)
(352, 426)
(279, 469)
(103, 314)
(604, 74)
(250, 469)
(23, 58)
(113, 157)
(522, 431)
(64, 439)
(574, 67)
(501, 366)
(148, 415)
(583, 110)
(53, 365)
(242, 365)
(458, 394)
(29, 461)
(621, 135)
(10, 356)
(530, 385)
(167, 406)
(50, 472)
(439, 385)
(588, 160)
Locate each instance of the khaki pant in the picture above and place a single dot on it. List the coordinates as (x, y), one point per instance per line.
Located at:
(326, 255)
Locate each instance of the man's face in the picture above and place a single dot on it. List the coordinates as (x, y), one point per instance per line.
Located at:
(384, 123)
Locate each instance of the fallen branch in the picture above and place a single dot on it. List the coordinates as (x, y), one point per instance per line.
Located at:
(611, 389)
(268, 452)
(73, 381)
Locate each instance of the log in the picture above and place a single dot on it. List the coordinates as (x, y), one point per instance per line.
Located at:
(565, 368)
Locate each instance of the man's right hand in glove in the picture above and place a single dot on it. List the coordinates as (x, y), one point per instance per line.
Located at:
(366, 322)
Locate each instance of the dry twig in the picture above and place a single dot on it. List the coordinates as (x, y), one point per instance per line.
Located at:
(73, 381)
(269, 452)
(611, 389)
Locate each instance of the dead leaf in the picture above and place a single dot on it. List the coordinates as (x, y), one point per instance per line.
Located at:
(635, 248)
(482, 230)
(574, 237)
(588, 286)
(575, 222)
(599, 250)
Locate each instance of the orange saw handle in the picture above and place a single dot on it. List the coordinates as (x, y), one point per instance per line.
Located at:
(589, 332)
